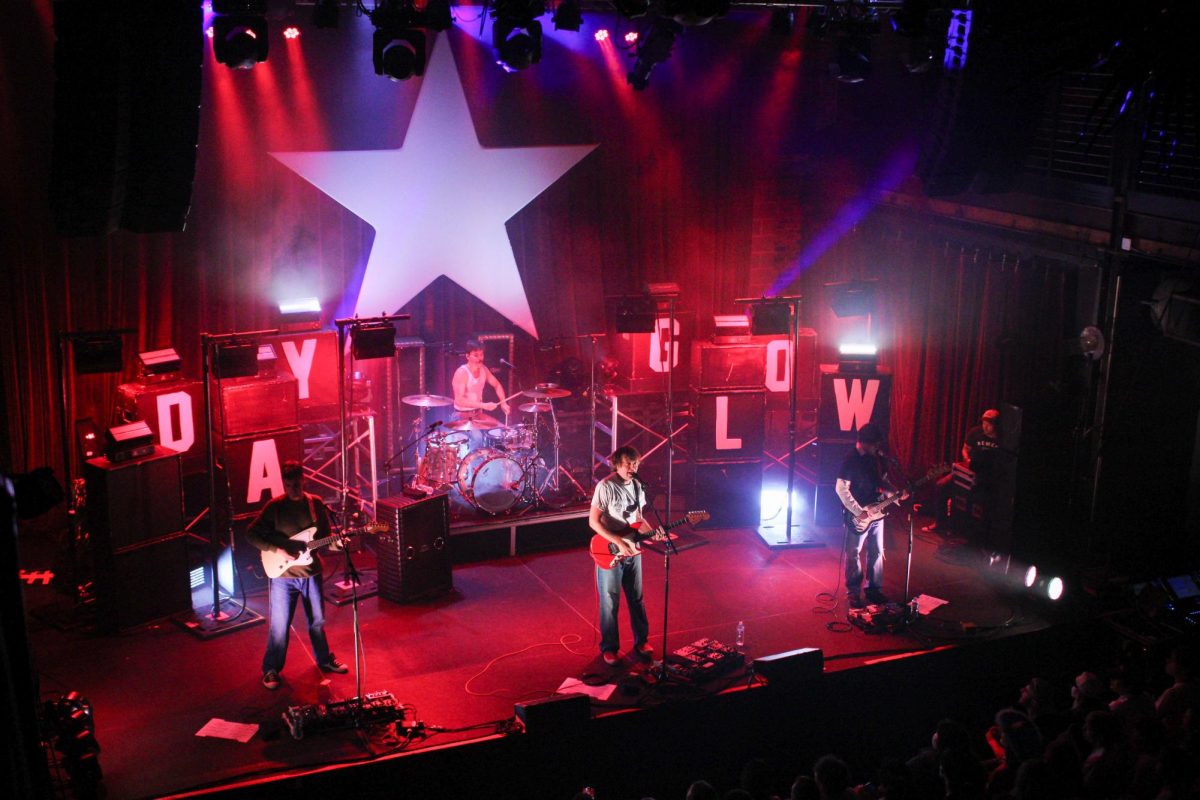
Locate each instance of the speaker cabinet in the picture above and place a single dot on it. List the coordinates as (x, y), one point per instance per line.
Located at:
(559, 714)
(730, 493)
(254, 466)
(134, 501)
(794, 667)
(850, 400)
(414, 554)
(732, 366)
(141, 583)
(730, 424)
(250, 406)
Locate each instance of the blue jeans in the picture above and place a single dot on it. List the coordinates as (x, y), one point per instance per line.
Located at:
(872, 537)
(284, 592)
(625, 575)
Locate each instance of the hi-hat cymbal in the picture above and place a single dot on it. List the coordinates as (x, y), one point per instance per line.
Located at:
(475, 424)
(530, 408)
(426, 400)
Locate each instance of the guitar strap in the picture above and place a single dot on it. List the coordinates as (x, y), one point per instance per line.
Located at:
(312, 509)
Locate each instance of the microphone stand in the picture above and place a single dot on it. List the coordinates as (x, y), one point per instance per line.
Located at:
(668, 551)
(352, 575)
(399, 454)
(908, 568)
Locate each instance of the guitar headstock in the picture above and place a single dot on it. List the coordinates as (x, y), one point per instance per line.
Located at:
(697, 516)
(374, 527)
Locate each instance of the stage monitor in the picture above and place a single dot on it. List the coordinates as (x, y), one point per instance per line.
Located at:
(1183, 586)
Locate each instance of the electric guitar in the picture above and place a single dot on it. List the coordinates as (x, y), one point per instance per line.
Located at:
(275, 562)
(606, 555)
(878, 510)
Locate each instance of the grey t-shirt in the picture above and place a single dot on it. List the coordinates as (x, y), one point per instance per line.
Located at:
(620, 503)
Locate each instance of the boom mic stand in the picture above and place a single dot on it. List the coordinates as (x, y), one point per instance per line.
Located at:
(399, 454)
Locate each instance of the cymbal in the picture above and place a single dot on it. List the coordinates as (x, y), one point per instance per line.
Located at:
(530, 408)
(476, 424)
(426, 400)
(547, 391)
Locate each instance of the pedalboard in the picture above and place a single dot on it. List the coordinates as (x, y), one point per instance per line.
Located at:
(376, 708)
(705, 659)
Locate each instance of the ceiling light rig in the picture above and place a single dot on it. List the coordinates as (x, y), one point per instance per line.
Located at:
(398, 48)
(516, 33)
(239, 32)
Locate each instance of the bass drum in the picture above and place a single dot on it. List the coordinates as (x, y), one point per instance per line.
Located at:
(490, 480)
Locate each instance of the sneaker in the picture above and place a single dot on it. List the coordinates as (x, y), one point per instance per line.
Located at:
(876, 596)
(611, 658)
(271, 679)
(644, 652)
(855, 600)
(334, 665)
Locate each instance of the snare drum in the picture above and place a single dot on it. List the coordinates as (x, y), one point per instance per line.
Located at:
(442, 458)
(512, 438)
(490, 480)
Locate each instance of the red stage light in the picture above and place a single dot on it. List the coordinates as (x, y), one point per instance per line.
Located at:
(631, 37)
(602, 35)
(291, 32)
(208, 31)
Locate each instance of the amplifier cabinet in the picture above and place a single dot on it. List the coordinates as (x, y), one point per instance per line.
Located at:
(414, 553)
(252, 405)
(140, 583)
(134, 501)
(254, 466)
(311, 357)
(731, 366)
(850, 400)
(730, 424)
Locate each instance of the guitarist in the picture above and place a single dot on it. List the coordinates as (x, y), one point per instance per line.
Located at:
(863, 480)
(617, 505)
(282, 517)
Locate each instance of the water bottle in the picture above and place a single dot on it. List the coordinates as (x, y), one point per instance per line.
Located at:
(914, 609)
(740, 639)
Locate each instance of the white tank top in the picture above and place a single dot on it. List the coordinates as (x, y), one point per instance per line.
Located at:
(474, 386)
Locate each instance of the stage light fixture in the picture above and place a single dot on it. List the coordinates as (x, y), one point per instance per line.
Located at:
(159, 362)
(236, 360)
(373, 340)
(1030, 576)
(399, 53)
(95, 354)
(653, 50)
(770, 319)
(291, 32)
(325, 14)
(516, 33)
(631, 37)
(602, 35)
(632, 9)
(240, 32)
(852, 298)
(567, 16)
(633, 314)
(693, 12)
(301, 314)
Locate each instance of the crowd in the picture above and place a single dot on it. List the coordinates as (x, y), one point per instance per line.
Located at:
(1107, 736)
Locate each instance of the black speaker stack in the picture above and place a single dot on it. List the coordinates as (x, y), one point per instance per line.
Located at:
(730, 427)
(135, 518)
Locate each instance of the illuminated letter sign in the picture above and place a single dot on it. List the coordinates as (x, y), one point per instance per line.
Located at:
(854, 406)
(301, 362)
(658, 339)
(724, 441)
(265, 473)
(181, 438)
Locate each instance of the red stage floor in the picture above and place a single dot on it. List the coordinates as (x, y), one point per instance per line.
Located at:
(513, 630)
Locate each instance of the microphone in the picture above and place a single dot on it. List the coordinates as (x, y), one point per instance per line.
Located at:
(638, 478)
(507, 363)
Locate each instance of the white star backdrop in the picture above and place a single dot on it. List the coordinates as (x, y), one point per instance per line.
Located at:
(439, 203)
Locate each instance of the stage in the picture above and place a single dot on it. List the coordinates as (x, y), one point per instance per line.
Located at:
(513, 630)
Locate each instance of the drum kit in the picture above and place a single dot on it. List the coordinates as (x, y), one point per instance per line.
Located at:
(517, 465)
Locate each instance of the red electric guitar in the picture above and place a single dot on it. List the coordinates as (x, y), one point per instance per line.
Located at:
(606, 555)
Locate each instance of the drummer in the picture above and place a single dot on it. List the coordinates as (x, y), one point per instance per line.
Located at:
(468, 383)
